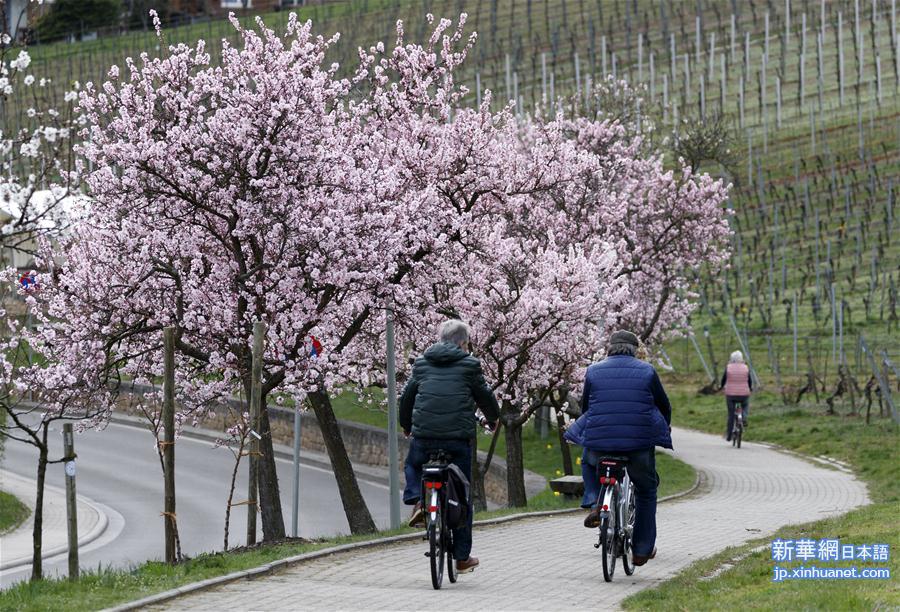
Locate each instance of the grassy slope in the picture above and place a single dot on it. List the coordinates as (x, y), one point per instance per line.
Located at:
(870, 449)
(12, 512)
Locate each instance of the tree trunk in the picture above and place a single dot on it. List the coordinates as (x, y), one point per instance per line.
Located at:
(563, 445)
(37, 568)
(267, 479)
(515, 466)
(479, 497)
(355, 508)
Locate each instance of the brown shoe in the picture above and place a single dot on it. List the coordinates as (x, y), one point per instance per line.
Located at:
(638, 560)
(592, 520)
(467, 565)
(417, 518)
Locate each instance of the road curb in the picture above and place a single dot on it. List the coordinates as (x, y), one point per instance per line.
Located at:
(280, 564)
(96, 531)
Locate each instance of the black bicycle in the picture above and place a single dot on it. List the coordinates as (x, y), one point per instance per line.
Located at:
(616, 503)
(437, 532)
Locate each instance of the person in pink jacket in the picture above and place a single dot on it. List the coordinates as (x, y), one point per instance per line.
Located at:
(738, 385)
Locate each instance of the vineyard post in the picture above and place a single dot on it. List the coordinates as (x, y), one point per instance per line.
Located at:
(603, 56)
(766, 39)
(615, 71)
(672, 56)
(840, 37)
(665, 98)
(478, 88)
(778, 102)
(711, 60)
(747, 53)
(821, 76)
(723, 95)
(640, 57)
(702, 96)
(697, 43)
(690, 335)
(859, 44)
(833, 327)
(744, 348)
(794, 312)
(741, 101)
(652, 80)
(878, 77)
(733, 28)
(515, 96)
(508, 80)
(544, 78)
(577, 77)
(841, 354)
(801, 89)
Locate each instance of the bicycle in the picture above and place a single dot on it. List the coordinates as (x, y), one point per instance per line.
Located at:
(438, 534)
(737, 431)
(616, 503)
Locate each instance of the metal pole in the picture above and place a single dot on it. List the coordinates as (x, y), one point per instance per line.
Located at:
(168, 442)
(393, 450)
(700, 355)
(259, 335)
(295, 508)
(71, 504)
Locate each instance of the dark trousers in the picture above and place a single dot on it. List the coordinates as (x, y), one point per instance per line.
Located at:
(460, 452)
(641, 469)
(733, 401)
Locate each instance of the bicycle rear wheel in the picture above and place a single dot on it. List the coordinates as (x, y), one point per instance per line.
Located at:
(608, 541)
(627, 561)
(436, 552)
(452, 574)
(738, 436)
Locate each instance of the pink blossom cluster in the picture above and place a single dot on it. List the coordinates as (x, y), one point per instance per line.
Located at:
(266, 187)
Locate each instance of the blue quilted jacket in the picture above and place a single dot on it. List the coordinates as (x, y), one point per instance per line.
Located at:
(624, 407)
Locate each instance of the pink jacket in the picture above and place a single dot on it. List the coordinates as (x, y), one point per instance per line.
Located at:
(737, 380)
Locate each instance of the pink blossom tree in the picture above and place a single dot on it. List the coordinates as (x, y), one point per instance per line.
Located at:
(264, 188)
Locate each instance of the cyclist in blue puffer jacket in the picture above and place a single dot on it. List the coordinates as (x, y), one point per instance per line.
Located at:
(625, 411)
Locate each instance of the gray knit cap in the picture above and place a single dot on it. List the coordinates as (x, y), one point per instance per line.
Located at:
(623, 336)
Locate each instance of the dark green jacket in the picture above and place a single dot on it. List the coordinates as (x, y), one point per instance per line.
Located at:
(440, 398)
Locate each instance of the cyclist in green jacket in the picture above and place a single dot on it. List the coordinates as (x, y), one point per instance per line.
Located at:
(438, 408)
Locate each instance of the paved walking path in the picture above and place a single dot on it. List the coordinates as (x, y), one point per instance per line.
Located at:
(16, 546)
(550, 563)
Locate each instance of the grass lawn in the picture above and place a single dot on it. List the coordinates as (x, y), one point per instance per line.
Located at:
(870, 449)
(102, 588)
(12, 512)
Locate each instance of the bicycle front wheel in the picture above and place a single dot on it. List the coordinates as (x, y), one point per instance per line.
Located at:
(436, 553)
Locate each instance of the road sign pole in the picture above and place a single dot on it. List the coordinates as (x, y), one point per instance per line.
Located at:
(71, 507)
(393, 451)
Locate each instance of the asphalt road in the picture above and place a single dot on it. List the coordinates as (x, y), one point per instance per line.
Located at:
(119, 469)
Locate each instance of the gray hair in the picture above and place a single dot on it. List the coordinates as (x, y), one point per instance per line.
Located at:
(736, 357)
(454, 331)
(621, 348)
